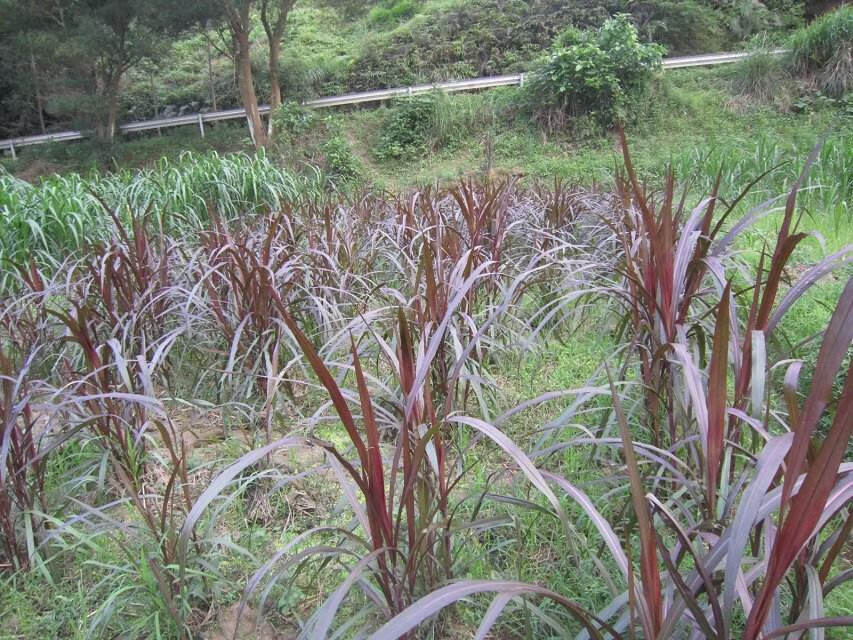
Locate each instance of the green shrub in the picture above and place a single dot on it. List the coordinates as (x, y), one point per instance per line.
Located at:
(293, 120)
(824, 50)
(436, 121)
(392, 10)
(407, 128)
(682, 26)
(601, 74)
(341, 165)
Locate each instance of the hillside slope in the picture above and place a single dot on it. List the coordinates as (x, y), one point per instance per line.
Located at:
(335, 46)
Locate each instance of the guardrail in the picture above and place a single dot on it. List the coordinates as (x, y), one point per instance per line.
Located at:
(351, 98)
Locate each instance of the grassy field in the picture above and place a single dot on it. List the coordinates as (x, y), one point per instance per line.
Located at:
(499, 384)
(245, 408)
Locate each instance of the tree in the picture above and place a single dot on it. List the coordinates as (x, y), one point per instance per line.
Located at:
(238, 17)
(274, 15)
(86, 47)
(235, 18)
(26, 53)
(112, 36)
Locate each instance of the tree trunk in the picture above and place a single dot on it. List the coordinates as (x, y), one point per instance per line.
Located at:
(107, 92)
(274, 18)
(210, 81)
(275, 83)
(37, 85)
(246, 82)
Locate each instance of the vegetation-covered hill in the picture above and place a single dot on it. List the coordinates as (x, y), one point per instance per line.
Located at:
(334, 46)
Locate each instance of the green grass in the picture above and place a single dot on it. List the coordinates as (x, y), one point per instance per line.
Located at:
(138, 152)
(690, 112)
(824, 48)
(63, 213)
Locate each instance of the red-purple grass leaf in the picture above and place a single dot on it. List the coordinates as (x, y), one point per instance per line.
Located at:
(434, 602)
(649, 571)
(407, 374)
(717, 376)
(815, 599)
(758, 375)
(335, 394)
(785, 244)
(838, 621)
(348, 489)
(600, 522)
(524, 463)
(843, 537)
(494, 611)
(321, 622)
(734, 203)
(815, 273)
(766, 468)
(437, 339)
(635, 185)
(374, 471)
(429, 277)
(836, 342)
(807, 506)
(789, 387)
(693, 384)
(784, 249)
(690, 596)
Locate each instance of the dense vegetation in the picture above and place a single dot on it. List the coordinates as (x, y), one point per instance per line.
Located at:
(327, 47)
(334, 413)
(458, 366)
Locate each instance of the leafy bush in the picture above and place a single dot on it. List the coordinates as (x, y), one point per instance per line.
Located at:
(600, 73)
(824, 49)
(391, 10)
(681, 26)
(341, 164)
(407, 128)
(436, 121)
(292, 119)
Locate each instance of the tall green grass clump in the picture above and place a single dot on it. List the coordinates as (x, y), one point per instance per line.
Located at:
(824, 50)
(64, 213)
(761, 74)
